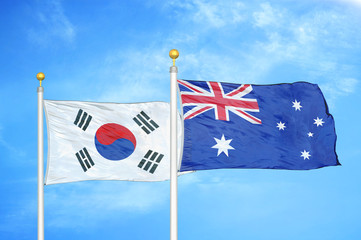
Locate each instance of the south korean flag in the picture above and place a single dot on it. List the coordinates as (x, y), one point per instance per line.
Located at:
(108, 141)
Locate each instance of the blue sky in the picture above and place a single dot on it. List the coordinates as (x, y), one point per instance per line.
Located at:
(118, 51)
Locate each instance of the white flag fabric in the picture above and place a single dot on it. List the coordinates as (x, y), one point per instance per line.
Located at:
(108, 141)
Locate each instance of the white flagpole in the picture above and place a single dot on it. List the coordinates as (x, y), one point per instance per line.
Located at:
(173, 148)
(40, 76)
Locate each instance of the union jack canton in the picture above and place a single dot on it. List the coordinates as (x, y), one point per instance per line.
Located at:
(215, 98)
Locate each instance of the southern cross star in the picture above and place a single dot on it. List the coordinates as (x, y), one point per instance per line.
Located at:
(297, 105)
(318, 121)
(281, 126)
(223, 145)
(305, 155)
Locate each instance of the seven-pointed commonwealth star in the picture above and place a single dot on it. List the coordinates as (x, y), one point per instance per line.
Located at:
(318, 121)
(297, 105)
(305, 155)
(223, 145)
(281, 126)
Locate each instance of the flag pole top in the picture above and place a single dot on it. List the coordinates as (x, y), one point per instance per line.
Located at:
(173, 54)
(40, 76)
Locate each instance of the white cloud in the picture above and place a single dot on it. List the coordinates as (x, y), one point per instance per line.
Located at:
(348, 85)
(307, 41)
(215, 14)
(208, 65)
(268, 16)
(52, 24)
(218, 15)
(338, 87)
(353, 2)
(133, 76)
(304, 34)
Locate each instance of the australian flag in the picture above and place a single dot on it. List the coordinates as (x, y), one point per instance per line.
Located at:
(281, 126)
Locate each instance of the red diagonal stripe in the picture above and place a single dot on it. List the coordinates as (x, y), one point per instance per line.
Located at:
(189, 86)
(202, 110)
(235, 92)
(250, 116)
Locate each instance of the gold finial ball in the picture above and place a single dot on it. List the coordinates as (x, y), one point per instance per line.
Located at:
(40, 76)
(173, 53)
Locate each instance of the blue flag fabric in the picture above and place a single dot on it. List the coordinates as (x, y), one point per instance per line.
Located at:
(281, 126)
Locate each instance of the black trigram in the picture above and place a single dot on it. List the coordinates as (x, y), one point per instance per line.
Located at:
(84, 159)
(144, 121)
(150, 161)
(82, 120)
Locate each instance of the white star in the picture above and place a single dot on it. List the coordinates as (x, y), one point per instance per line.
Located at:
(281, 126)
(310, 134)
(305, 155)
(223, 145)
(318, 121)
(297, 105)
